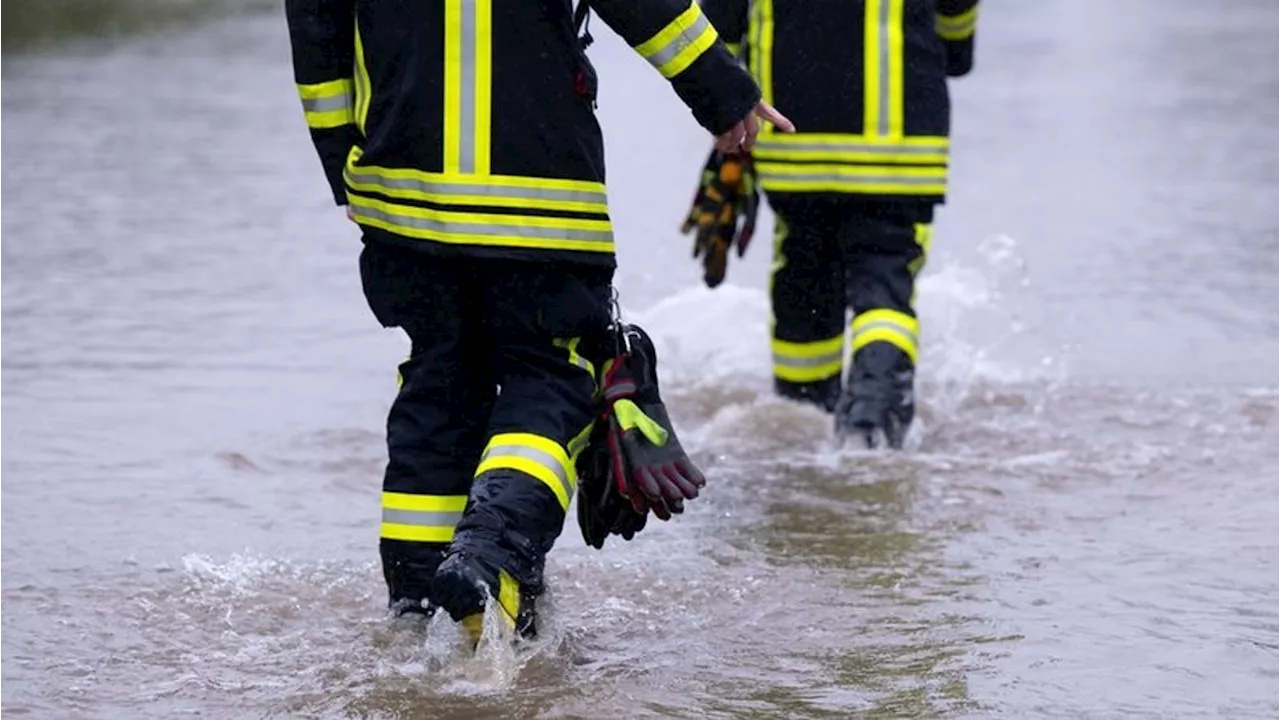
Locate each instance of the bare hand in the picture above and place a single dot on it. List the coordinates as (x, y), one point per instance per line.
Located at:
(742, 136)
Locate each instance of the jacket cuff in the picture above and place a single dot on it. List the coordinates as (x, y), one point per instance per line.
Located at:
(717, 89)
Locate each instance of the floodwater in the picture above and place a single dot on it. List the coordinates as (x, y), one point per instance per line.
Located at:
(1084, 526)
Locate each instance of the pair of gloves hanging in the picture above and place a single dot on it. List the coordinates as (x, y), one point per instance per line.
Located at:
(633, 463)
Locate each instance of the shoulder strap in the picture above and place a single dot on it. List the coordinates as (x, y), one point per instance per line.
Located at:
(581, 18)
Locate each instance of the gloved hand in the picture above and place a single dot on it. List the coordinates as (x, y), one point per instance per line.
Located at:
(724, 212)
(649, 465)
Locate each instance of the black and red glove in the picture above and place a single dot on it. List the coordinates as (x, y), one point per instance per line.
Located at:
(634, 462)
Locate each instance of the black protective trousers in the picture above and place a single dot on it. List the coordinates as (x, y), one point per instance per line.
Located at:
(496, 392)
(835, 253)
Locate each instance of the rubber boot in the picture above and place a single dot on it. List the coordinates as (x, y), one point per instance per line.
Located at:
(499, 551)
(823, 393)
(465, 584)
(408, 568)
(878, 403)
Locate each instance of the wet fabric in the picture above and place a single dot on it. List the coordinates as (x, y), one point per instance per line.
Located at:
(833, 254)
(495, 400)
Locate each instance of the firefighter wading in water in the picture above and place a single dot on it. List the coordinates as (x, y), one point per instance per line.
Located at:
(462, 137)
(853, 191)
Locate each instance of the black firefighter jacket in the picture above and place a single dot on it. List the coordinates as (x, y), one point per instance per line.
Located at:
(864, 81)
(469, 124)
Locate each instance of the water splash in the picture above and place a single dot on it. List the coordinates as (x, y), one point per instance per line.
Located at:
(714, 358)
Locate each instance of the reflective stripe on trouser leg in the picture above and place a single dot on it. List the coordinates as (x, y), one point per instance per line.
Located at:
(804, 362)
(807, 295)
(421, 518)
(924, 238)
(578, 442)
(538, 457)
(881, 325)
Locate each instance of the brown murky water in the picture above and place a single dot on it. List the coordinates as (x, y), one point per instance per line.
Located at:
(1085, 526)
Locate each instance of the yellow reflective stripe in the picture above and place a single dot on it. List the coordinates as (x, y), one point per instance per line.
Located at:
(682, 41)
(578, 442)
(525, 231)
(483, 93)
(776, 266)
(873, 179)
(328, 104)
(760, 47)
(883, 57)
(924, 238)
(894, 53)
(882, 325)
(468, 85)
(490, 190)
(957, 27)
(533, 455)
(416, 533)
(325, 90)
(779, 252)
(816, 147)
(452, 82)
(809, 350)
(922, 142)
(420, 518)
(734, 48)
(424, 503)
(575, 358)
(871, 67)
(328, 119)
(508, 598)
(363, 87)
(809, 361)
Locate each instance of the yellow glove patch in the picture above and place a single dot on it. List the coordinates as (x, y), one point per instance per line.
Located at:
(632, 417)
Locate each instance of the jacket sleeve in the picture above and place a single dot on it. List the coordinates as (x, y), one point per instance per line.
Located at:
(729, 18)
(956, 23)
(677, 39)
(322, 38)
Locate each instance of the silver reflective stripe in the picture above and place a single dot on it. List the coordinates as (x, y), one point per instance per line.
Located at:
(886, 56)
(613, 392)
(836, 179)
(420, 517)
(807, 362)
(438, 188)
(583, 363)
(677, 45)
(455, 228)
(547, 461)
(885, 325)
(849, 147)
(329, 103)
(467, 91)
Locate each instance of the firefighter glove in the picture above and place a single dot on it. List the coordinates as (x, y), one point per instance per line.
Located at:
(723, 213)
(649, 466)
(602, 509)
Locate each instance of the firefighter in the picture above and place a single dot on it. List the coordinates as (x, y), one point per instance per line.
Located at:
(853, 191)
(462, 138)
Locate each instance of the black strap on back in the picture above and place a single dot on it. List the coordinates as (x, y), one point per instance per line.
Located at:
(581, 20)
